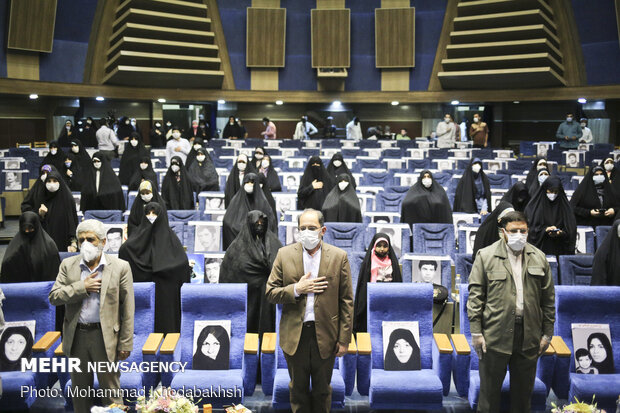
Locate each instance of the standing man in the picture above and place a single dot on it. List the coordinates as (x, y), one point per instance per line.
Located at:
(106, 139)
(479, 132)
(511, 314)
(177, 146)
(304, 129)
(447, 132)
(568, 133)
(270, 129)
(313, 281)
(354, 129)
(97, 292)
(586, 133)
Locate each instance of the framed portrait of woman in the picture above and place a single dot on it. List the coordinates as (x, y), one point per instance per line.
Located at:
(593, 350)
(16, 340)
(401, 345)
(211, 345)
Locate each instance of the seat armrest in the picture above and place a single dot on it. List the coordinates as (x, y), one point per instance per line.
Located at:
(352, 346)
(59, 352)
(364, 365)
(152, 343)
(443, 343)
(442, 360)
(347, 365)
(268, 362)
(46, 342)
(560, 347)
(250, 345)
(170, 343)
(363, 344)
(461, 346)
(269, 343)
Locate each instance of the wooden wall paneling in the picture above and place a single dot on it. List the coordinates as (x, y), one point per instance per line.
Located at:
(270, 4)
(395, 4)
(220, 40)
(265, 37)
(395, 37)
(570, 45)
(22, 65)
(451, 8)
(31, 25)
(395, 80)
(330, 4)
(331, 38)
(264, 79)
(98, 43)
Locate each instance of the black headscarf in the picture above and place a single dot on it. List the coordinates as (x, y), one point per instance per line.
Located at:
(272, 179)
(342, 206)
(334, 171)
(614, 174)
(240, 205)
(607, 365)
(392, 362)
(64, 138)
(88, 135)
(606, 265)
(587, 197)
(255, 161)
(155, 253)
(57, 160)
(30, 256)
(137, 209)
(466, 191)
(158, 139)
(36, 194)
(140, 175)
(542, 213)
(517, 196)
(203, 174)
(191, 156)
(426, 205)
(532, 175)
(15, 365)
(61, 220)
(359, 314)
(248, 260)
(201, 361)
(233, 130)
(110, 194)
(130, 160)
(262, 181)
(124, 129)
(536, 184)
(307, 196)
(81, 158)
(177, 189)
(233, 183)
(488, 232)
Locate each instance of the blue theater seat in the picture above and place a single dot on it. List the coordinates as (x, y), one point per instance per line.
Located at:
(462, 266)
(575, 269)
(104, 215)
(437, 239)
(601, 233)
(183, 215)
(346, 235)
(388, 202)
(383, 179)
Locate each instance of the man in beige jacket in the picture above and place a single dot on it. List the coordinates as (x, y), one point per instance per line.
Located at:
(312, 280)
(97, 292)
(511, 314)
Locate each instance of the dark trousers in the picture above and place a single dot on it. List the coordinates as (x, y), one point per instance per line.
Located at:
(307, 363)
(522, 376)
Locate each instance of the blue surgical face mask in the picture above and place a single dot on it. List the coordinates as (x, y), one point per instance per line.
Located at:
(542, 178)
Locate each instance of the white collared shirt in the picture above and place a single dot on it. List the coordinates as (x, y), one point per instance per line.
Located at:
(516, 262)
(311, 265)
(90, 305)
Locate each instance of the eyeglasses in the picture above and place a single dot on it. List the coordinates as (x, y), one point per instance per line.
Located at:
(516, 231)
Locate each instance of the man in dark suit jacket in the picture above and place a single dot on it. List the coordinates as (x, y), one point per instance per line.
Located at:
(312, 280)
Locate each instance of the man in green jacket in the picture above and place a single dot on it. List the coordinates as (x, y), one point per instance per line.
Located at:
(511, 317)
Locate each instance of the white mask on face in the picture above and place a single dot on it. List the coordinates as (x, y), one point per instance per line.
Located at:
(176, 135)
(609, 166)
(542, 178)
(552, 197)
(259, 156)
(53, 151)
(598, 179)
(97, 165)
(476, 120)
(265, 163)
(197, 146)
(75, 149)
(52, 186)
(200, 158)
(127, 122)
(151, 218)
(337, 163)
(309, 239)
(476, 168)
(569, 119)
(143, 166)
(427, 182)
(68, 127)
(146, 197)
(447, 120)
(175, 168)
(248, 188)
(343, 185)
(89, 251)
(158, 125)
(516, 242)
(241, 166)
(43, 177)
(583, 125)
(133, 143)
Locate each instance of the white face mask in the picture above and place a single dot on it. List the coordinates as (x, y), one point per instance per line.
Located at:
(309, 239)
(89, 121)
(53, 151)
(89, 251)
(68, 127)
(52, 186)
(43, 177)
(569, 119)
(75, 149)
(200, 158)
(175, 168)
(265, 163)
(133, 143)
(97, 165)
(343, 185)
(516, 242)
(598, 179)
(248, 188)
(427, 182)
(552, 197)
(143, 166)
(197, 146)
(151, 218)
(176, 135)
(447, 120)
(158, 125)
(337, 163)
(146, 197)
(241, 166)
(542, 178)
(259, 156)
(609, 166)
(476, 120)
(68, 164)
(583, 125)
(127, 122)
(476, 168)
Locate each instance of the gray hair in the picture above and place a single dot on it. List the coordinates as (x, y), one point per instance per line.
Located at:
(318, 213)
(91, 225)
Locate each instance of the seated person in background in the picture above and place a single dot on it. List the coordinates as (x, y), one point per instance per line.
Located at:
(606, 264)
(426, 202)
(402, 135)
(176, 190)
(473, 192)
(380, 265)
(553, 227)
(594, 201)
(568, 133)
(586, 133)
(341, 203)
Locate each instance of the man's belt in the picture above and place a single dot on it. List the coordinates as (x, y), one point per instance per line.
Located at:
(88, 326)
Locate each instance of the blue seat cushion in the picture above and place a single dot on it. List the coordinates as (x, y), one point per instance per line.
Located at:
(418, 389)
(12, 382)
(605, 386)
(225, 386)
(281, 398)
(539, 396)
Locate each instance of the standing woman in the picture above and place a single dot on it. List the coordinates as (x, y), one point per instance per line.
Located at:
(36, 194)
(147, 192)
(102, 189)
(262, 182)
(144, 172)
(66, 134)
(342, 204)
(155, 254)
(314, 186)
(79, 156)
(380, 265)
(517, 196)
(71, 174)
(541, 176)
(198, 143)
(338, 166)
(532, 176)
(259, 154)
(158, 135)
(606, 265)
(57, 211)
(426, 202)
(266, 169)
(488, 232)
(133, 153)
(235, 178)
(176, 190)
(553, 228)
(473, 192)
(202, 172)
(55, 156)
(594, 201)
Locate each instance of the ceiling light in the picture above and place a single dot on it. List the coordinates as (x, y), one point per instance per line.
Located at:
(279, 102)
(582, 100)
(221, 102)
(516, 102)
(100, 98)
(394, 103)
(455, 102)
(161, 100)
(336, 103)
(34, 96)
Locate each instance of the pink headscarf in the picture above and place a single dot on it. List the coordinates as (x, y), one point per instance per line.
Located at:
(377, 265)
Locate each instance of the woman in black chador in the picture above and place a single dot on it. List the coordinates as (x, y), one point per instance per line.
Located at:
(55, 156)
(595, 202)
(342, 204)
(177, 189)
(130, 160)
(488, 232)
(517, 196)
(144, 172)
(473, 192)
(212, 349)
(314, 186)
(338, 166)
(248, 260)
(202, 172)
(606, 265)
(57, 211)
(426, 202)
(147, 192)
(102, 189)
(235, 178)
(271, 175)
